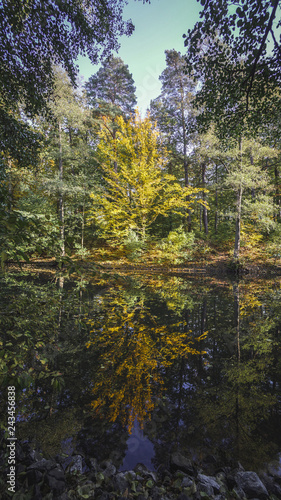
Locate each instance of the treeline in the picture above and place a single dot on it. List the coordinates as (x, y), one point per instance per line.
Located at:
(91, 174)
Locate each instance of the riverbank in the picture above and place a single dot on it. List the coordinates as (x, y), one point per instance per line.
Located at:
(76, 476)
(212, 263)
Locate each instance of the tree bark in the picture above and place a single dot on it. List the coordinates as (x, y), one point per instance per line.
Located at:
(185, 160)
(216, 202)
(238, 224)
(238, 212)
(277, 194)
(205, 213)
(61, 199)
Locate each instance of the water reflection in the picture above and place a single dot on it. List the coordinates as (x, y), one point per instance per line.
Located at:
(139, 450)
(132, 347)
(182, 364)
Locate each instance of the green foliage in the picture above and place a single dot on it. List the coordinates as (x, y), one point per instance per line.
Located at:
(34, 36)
(177, 247)
(227, 51)
(111, 91)
(133, 245)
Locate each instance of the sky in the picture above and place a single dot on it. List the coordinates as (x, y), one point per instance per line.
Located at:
(159, 26)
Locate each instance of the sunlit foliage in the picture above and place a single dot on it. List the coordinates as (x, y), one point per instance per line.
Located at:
(136, 188)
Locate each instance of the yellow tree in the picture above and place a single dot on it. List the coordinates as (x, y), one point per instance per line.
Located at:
(135, 193)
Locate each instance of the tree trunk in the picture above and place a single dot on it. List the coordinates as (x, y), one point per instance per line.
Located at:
(83, 225)
(238, 223)
(238, 212)
(61, 200)
(216, 202)
(114, 138)
(185, 160)
(238, 354)
(277, 194)
(205, 213)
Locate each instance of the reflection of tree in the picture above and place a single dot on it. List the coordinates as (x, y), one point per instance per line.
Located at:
(40, 350)
(233, 411)
(225, 404)
(139, 347)
(133, 348)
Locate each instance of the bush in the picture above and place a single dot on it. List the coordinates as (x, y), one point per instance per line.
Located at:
(177, 247)
(133, 246)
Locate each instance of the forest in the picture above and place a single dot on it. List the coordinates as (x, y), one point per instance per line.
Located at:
(140, 352)
(84, 176)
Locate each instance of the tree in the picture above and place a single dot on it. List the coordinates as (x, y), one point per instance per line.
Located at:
(112, 88)
(172, 109)
(205, 158)
(132, 347)
(245, 175)
(111, 92)
(140, 190)
(67, 147)
(229, 52)
(34, 36)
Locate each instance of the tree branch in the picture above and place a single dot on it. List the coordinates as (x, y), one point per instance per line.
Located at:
(253, 71)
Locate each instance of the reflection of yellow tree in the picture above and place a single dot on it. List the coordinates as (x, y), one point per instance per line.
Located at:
(132, 350)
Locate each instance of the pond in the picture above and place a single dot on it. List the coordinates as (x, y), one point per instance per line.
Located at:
(134, 367)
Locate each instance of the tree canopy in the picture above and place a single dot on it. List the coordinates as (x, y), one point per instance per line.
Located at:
(35, 35)
(136, 187)
(235, 52)
(112, 88)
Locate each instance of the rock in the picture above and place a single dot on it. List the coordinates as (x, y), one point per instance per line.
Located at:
(63, 496)
(275, 472)
(108, 469)
(186, 482)
(57, 473)
(20, 455)
(34, 476)
(76, 465)
(120, 482)
(42, 465)
(56, 486)
(179, 462)
(37, 493)
(183, 496)
(239, 493)
(251, 484)
(208, 484)
(272, 485)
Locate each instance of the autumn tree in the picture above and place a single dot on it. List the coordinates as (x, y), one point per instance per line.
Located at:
(140, 190)
(111, 92)
(132, 346)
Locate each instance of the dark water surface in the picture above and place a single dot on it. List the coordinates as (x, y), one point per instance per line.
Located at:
(133, 368)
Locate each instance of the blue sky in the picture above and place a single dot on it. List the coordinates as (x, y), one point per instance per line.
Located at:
(158, 26)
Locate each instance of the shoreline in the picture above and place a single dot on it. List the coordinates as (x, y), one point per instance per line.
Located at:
(77, 476)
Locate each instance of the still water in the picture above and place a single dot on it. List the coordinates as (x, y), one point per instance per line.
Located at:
(134, 367)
